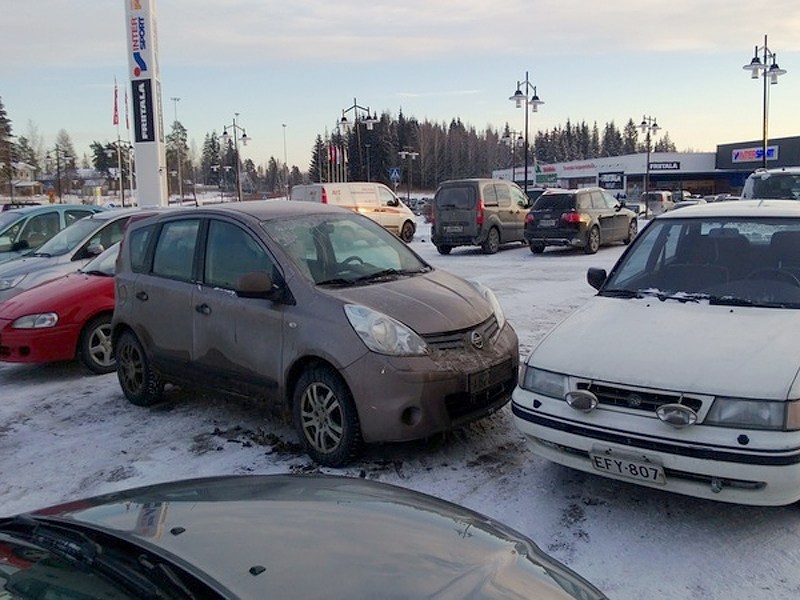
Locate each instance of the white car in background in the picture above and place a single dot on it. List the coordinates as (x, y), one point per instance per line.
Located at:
(682, 372)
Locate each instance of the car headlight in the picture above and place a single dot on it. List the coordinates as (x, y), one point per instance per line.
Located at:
(546, 383)
(6, 283)
(492, 300)
(383, 334)
(40, 321)
(754, 414)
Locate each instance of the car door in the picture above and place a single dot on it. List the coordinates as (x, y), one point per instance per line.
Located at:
(162, 314)
(236, 340)
(505, 212)
(603, 216)
(519, 206)
(621, 219)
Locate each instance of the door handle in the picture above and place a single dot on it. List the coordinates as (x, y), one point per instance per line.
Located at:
(203, 309)
(142, 296)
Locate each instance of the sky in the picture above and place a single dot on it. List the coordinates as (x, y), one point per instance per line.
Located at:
(289, 69)
(66, 434)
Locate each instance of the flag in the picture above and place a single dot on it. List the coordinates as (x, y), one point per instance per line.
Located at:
(127, 123)
(116, 103)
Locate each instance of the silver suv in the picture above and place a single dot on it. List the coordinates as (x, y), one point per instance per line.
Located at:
(315, 308)
(781, 184)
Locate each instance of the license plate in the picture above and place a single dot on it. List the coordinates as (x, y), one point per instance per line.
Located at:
(622, 466)
(454, 228)
(482, 380)
(547, 223)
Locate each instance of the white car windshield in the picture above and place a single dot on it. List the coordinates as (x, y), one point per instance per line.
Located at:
(735, 261)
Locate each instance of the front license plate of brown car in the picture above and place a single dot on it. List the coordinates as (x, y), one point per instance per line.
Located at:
(614, 464)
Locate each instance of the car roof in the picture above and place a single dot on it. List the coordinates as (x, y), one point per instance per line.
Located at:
(738, 209)
(259, 209)
(28, 210)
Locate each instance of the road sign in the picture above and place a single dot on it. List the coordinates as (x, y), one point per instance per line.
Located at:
(394, 174)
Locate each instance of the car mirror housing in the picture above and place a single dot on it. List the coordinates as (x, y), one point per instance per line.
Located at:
(596, 277)
(256, 284)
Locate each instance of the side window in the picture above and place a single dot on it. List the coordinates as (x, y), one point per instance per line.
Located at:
(174, 253)
(109, 235)
(489, 195)
(39, 229)
(72, 215)
(609, 200)
(230, 253)
(583, 201)
(597, 201)
(518, 197)
(386, 197)
(503, 195)
(139, 240)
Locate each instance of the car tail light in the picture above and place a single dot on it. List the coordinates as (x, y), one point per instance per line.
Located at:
(529, 218)
(324, 196)
(479, 215)
(571, 217)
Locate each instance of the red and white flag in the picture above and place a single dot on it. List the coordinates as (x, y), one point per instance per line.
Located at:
(127, 122)
(116, 103)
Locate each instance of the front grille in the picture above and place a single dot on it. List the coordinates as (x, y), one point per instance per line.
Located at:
(637, 399)
(458, 340)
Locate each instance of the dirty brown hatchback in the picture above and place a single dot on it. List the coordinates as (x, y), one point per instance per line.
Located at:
(315, 308)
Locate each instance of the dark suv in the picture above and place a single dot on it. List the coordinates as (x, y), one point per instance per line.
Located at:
(478, 212)
(585, 218)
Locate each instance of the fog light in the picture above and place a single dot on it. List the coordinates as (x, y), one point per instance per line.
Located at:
(581, 400)
(677, 415)
(411, 416)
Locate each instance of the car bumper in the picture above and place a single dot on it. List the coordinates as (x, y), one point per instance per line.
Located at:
(422, 396)
(38, 345)
(554, 238)
(764, 472)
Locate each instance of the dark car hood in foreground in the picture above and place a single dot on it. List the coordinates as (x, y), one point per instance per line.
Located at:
(328, 537)
(428, 303)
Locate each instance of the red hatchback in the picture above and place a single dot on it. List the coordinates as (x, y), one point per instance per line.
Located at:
(63, 319)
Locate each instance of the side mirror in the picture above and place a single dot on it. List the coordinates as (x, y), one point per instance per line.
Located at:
(16, 246)
(596, 277)
(256, 284)
(393, 202)
(94, 249)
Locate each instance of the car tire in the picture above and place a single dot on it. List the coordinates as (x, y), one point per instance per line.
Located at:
(592, 244)
(325, 417)
(444, 250)
(537, 248)
(633, 229)
(139, 382)
(407, 232)
(94, 346)
(492, 243)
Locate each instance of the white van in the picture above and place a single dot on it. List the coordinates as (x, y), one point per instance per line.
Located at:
(373, 200)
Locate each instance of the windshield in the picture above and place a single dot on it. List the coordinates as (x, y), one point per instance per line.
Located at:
(343, 249)
(68, 239)
(735, 261)
(784, 186)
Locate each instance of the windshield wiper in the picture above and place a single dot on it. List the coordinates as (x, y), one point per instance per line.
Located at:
(97, 272)
(733, 301)
(76, 548)
(618, 293)
(42, 254)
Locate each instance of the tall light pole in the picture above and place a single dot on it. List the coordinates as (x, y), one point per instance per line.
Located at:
(361, 116)
(523, 100)
(244, 139)
(649, 127)
(765, 71)
(514, 140)
(178, 143)
(410, 155)
(285, 162)
(118, 146)
(58, 151)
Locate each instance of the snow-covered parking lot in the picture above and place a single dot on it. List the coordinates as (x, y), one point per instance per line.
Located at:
(65, 433)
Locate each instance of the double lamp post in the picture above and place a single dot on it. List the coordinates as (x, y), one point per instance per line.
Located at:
(226, 137)
(523, 99)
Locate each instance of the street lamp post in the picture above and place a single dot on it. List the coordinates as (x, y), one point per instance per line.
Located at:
(410, 155)
(514, 140)
(649, 127)
(359, 118)
(765, 71)
(523, 100)
(285, 162)
(119, 145)
(244, 139)
(178, 142)
(59, 152)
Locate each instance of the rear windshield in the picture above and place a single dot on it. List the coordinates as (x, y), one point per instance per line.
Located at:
(784, 186)
(458, 197)
(555, 202)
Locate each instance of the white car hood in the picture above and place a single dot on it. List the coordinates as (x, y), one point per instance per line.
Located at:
(685, 347)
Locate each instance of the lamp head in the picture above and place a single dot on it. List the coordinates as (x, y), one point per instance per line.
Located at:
(518, 98)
